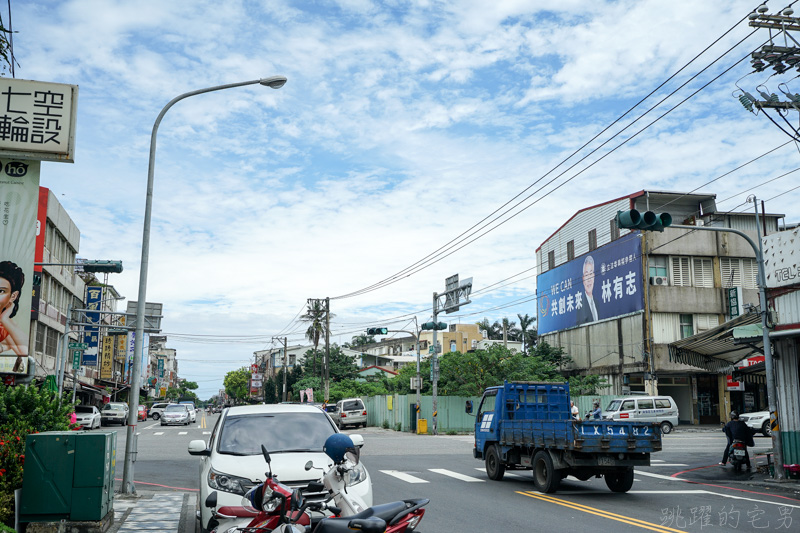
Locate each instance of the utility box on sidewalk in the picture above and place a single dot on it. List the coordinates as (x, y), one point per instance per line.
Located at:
(68, 476)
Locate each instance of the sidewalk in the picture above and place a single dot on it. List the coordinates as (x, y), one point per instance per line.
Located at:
(155, 512)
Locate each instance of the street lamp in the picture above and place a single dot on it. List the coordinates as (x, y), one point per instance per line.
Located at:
(275, 82)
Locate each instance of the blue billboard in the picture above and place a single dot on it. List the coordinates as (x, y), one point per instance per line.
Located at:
(605, 283)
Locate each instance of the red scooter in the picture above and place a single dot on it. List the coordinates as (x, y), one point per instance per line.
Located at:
(282, 509)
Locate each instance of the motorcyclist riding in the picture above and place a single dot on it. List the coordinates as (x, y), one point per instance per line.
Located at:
(737, 430)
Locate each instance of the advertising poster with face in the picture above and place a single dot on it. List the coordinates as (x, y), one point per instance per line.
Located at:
(19, 199)
(604, 283)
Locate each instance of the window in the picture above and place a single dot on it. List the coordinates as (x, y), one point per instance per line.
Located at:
(704, 322)
(738, 272)
(614, 230)
(40, 337)
(657, 266)
(628, 405)
(703, 275)
(551, 260)
(645, 404)
(681, 275)
(686, 326)
(570, 250)
(52, 342)
(663, 403)
(592, 240)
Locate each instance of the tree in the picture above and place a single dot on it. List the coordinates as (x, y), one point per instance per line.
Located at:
(6, 53)
(359, 341)
(525, 322)
(491, 331)
(555, 356)
(340, 366)
(237, 384)
(315, 316)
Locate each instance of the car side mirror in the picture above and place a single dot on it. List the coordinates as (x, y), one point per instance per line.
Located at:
(198, 447)
(468, 407)
(211, 501)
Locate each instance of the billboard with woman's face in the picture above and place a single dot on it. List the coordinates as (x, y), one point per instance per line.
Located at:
(19, 200)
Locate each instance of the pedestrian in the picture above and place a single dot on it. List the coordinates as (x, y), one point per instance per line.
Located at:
(737, 430)
(574, 408)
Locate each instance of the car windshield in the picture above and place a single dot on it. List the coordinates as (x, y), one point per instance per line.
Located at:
(614, 405)
(114, 407)
(83, 409)
(352, 405)
(176, 409)
(285, 432)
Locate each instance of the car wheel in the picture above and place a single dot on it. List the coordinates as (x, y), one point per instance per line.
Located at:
(666, 427)
(766, 429)
(545, 477)
(156, 416)
(620, 481)
(495, 469)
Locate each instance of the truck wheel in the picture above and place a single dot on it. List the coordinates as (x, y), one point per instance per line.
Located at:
(545, 477)
(621, 480)
(666, 427)
(494, 467)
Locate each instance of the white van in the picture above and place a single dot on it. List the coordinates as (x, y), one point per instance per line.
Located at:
(659, 409)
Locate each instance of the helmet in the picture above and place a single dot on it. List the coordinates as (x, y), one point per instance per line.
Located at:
(337, 445)
(734, 415)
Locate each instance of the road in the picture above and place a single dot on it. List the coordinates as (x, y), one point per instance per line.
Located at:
(683, 489)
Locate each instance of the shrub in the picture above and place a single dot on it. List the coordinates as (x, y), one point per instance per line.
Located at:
(385, 424)
(24, 410)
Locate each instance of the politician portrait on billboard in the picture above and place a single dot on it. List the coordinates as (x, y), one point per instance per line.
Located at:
(605, 283)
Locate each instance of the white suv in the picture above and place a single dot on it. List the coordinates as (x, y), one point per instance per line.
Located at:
(157, 411)
(294, 434)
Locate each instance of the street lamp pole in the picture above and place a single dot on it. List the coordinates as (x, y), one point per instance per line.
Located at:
(275, 82)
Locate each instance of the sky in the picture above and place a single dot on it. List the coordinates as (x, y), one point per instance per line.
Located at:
(402, 129)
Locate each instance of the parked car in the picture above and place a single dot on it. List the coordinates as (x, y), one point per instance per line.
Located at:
(176, 414)
(88, 416)
(157, 409)
(141, 413)
(659, 409)
(231, 463)
(192, 410)
(350, 412)
(114, 413)
(758, 422)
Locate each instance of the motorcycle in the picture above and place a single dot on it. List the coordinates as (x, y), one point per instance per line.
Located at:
(279, 508)
(738, 453)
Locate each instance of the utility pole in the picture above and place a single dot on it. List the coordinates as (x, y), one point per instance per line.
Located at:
(435, 366)
(326, 369)
(285, 367)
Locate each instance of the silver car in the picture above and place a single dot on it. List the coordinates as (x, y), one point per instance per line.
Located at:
(176, 414)
(88, 416)
(114, 413)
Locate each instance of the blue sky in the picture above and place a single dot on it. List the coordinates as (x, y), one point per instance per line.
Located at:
(402, 125)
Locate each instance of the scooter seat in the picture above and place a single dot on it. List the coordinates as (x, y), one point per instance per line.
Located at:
(238, 511)
(384, 511)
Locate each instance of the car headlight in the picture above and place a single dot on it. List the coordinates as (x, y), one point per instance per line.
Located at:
(227, 482)
(355, 475)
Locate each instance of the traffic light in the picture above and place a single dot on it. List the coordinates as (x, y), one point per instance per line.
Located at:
(101, 265)
(434, 325)
(648, 221)
(377, 331)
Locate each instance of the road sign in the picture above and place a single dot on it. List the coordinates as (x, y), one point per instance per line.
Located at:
(78, 345)
(76, 359)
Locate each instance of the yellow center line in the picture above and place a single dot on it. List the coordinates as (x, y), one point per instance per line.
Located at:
(600, 512)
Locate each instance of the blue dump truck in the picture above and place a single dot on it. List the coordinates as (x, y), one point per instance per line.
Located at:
(528, 425)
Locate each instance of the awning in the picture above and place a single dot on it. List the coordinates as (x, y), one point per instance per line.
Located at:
(716, 350)
(752, 374)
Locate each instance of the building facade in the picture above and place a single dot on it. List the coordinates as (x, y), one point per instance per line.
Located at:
(616, 299)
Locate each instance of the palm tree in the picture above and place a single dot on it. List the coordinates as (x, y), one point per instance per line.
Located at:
(315, 316)
(525, 322)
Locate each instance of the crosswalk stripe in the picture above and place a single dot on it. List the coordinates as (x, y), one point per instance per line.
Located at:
(158, 433)
(408, 478)
(181, 433)
(669, 464)
(507, 474)
(456, 475)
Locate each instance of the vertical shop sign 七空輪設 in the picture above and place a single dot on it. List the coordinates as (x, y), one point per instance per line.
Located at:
(37, 121)
(91, 334)
(19, 200)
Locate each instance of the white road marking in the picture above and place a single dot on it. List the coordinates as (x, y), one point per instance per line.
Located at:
(408, 478)
(182, 433)
(206, 433)
(659, 476)
(507, 474)
(456, 475)
(669, 464)
(155, 424)
(158, 433)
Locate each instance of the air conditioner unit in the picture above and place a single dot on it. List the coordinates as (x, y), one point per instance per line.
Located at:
(659, 280)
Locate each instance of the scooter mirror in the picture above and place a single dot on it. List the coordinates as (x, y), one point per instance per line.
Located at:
(265, 453)
(309, 466)
(211, 500)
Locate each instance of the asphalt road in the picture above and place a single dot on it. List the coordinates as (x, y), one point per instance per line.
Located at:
(683, 489)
